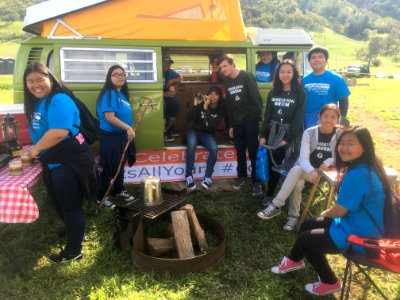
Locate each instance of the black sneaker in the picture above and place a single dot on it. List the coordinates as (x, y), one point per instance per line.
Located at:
(239, 183)
(266, 200)
(206, 183)
(257, 189)
(174, 133)
(190, 184)
(269, 212)
(63, 257)
(168, 137)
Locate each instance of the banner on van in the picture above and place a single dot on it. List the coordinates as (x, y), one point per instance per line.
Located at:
(169, 165)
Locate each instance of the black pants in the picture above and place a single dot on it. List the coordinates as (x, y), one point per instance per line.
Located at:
(277, 155)
(245, 136)
(69, 204)
(111, 150)
(313, 242)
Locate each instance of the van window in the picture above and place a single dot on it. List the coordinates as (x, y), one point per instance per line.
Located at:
(296, 56)
(92, 64)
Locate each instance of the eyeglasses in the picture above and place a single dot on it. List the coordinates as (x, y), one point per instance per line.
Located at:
(119, 75)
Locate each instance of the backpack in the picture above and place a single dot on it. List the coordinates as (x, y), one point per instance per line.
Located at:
(391, 218)
(90, 126)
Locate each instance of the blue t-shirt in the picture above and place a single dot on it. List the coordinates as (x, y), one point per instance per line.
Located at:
(263, 72)
(118, 104)
(328, 87)
(170, 74)
(360, 190)
(61, 113)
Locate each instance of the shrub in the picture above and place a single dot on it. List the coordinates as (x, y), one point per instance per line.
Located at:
(376, 62)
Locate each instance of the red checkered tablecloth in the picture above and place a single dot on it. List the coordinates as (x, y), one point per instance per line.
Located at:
(16, 202)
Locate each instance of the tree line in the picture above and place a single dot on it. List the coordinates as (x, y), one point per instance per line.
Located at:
(375, 21)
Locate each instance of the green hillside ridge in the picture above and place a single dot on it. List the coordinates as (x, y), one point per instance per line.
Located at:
(342, 52)
(10, 47)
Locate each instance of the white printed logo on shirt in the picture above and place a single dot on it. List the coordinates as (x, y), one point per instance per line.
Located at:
(36, 120)
(320, 89)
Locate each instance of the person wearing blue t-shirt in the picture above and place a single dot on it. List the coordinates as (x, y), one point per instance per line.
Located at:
(115, 114)
(68, 163)
(359, 210)
(323, 86)
(171, 103)
(267, 66)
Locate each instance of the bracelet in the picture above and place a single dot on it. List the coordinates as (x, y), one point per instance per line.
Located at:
(129, 127)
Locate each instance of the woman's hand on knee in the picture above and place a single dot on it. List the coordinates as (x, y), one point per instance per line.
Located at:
(313, 177)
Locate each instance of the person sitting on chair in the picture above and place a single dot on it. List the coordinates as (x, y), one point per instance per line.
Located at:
(316, 152)
(359, 209)
(205, 115)
(171, 103)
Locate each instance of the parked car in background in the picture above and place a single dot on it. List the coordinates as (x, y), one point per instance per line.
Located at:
(357, 71)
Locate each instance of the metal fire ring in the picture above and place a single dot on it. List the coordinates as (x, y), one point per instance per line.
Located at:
(180, 266)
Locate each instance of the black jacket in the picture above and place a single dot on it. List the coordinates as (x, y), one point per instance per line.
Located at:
(206, 120)
(79, 157)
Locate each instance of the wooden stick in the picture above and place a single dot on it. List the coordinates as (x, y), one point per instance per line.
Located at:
(195, 225)
(183, 242)
(149, 101)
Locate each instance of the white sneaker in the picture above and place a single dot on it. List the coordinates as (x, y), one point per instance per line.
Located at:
(125, 196)
(291, 223)
(107, 203)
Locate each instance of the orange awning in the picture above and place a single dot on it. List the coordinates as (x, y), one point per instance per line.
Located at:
(200, 20)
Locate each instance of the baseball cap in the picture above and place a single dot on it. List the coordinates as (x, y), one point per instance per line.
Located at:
(168, 58)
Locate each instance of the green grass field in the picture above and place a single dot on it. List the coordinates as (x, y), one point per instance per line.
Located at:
(253, 245)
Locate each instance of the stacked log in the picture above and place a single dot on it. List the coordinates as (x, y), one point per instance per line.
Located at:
(184, 232)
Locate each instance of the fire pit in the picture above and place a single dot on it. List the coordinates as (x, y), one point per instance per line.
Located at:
(134, 221)
(179, 266)
(130, 214)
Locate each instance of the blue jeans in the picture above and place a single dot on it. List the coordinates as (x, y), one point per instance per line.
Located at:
(207, 140)
(69, 197)
(245, 136)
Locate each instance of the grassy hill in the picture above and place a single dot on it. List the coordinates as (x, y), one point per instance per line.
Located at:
(10, 48)
(342, 49)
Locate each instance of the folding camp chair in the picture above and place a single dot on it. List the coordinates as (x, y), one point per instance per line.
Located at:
(383, 254)
(329, 177)
(288, 163)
